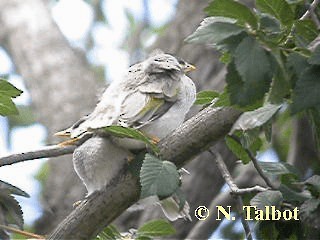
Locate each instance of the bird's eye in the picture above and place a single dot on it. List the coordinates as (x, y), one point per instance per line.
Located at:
(157, 60)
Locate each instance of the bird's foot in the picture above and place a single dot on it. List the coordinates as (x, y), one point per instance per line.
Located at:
(155, 140)
(77, 203)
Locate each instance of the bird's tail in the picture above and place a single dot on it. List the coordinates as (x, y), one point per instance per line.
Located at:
(171, 209)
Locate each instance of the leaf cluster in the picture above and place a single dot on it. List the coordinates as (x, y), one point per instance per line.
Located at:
(273, 69)
(148, 231)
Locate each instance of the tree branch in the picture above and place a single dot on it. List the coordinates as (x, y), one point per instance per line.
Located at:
(45, 152)
(310, 12)
(202, 228)
(101, 208)
(256, 164)
(229, 180)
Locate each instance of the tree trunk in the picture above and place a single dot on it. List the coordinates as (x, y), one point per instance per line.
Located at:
(62, 89)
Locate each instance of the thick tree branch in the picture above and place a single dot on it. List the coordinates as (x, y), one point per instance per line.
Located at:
(100, 209)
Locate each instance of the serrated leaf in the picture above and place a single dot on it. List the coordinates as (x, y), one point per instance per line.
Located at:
(159, 178)
(7, 106)
(12, 211)
(280, 9)
(305, 32)
(309, 212)
(278, 168)
(255, 118)
(238, 150)
(232, 9)
(156, 228)
(293, 196)
(314, 184)
(315, 57)
(267, 198)
(269, 25)
(126, 132)
(12, 189)
(306, 91)
(241, 93)
(213, 30)
(223, 100)
(109, 233)
(206, 97)
(7, 89)
(252, 62)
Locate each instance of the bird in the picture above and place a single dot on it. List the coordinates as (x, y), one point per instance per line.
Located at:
(153, 97)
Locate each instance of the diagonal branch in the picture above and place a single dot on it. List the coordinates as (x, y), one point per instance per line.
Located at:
(101, 208)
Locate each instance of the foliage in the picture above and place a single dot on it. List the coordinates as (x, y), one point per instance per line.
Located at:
(10, 210)
(151, 229)
(7, 92)
(273, 68)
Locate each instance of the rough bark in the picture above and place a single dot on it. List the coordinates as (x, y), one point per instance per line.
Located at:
(61, 85)
(194, 136)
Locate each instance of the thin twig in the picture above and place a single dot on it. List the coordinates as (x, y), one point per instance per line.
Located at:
(256, 164)
(310, 12)
(21, 232)
(245, 223)
(229, 180)
(45, 152)
(235, 190)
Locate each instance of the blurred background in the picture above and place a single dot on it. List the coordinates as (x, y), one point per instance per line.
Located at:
(62, 54)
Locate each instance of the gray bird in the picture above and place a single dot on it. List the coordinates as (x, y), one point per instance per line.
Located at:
(154, 97)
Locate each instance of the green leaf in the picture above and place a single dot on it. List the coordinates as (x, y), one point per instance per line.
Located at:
(313, 184)
(223, 100)
(109, 233)
(278, 168)
(290, 195)
(232, 9)
(267, 198)
(242, 93)
(12, 189)
(280, 86)
(126, 132)
(252, 63)
(213, 30)
(7, 89)
(269, 25)
(280, 9)
(7, 106)
(206, 97)
(158, 177)
(315, 57)
(11, 210)
(314, 117)
(255, 118)
(309, 212)
(156, 228)
(238, 150)
(307, 89)
(305, 32)
(296, 64)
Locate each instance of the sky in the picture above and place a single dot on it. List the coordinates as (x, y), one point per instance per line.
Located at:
(74, 18)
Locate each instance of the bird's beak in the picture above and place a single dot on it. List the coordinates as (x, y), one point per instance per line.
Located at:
(189, 68)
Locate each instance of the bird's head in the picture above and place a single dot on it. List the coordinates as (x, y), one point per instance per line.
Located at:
(186, 67)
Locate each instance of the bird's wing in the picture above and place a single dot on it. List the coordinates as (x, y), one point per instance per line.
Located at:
(152, 98)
